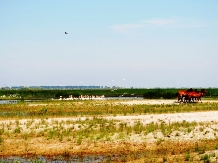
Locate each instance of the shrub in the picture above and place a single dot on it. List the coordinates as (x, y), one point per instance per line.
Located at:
(17, 130)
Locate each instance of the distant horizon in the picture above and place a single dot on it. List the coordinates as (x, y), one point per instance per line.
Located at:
(95, 86)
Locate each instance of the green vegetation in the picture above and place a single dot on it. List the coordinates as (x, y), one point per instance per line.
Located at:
(154, 93)
(93, 108)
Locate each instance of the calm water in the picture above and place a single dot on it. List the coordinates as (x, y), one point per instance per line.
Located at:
(8, 101)
(124, 98)
(106, 98)
(41, 159)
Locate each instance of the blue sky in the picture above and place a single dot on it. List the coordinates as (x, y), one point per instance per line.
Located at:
(126, 43)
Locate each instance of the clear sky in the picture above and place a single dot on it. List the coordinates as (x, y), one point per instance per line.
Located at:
(126, 43)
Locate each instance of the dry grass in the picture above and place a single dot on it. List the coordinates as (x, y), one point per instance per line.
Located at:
(116, 151)
(39, 133)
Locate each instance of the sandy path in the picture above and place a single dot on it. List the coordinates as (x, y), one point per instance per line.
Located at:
(159, 102)
(149, 102)
(210, 116)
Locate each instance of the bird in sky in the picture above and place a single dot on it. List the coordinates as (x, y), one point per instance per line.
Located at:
(66, 33)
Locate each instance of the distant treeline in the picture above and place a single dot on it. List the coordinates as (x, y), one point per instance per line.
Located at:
(155, 93)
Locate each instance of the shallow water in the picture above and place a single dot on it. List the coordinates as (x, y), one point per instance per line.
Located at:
(57, 159)
(8, 101)
(124, 98)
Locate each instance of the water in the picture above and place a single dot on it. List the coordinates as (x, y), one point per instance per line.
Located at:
(58, 159)
(16, 101)
(69, 159)
(8, 101)
(106, 98)
(124, 98)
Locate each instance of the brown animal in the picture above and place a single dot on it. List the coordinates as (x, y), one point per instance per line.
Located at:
(195, 96)
(181, 94)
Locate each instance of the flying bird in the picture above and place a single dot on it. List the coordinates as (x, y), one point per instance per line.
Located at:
(66, 33)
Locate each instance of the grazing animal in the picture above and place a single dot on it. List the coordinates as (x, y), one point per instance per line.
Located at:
(181, 94)
(195, 95)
